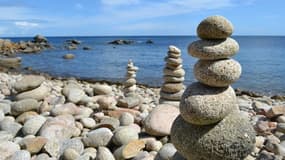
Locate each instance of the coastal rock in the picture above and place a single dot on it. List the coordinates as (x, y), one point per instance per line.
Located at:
(215, 27)
(220, 73)
(102, 89)
(121, 42)
(159, 121)
(40, 39)
(98, 137)
(124, 135)
(215, 141)
(38, 93)
(69, 55)
(28, 82)
(213, 49)
(33, 125)
(104, 154)
(203, 105)
(10, 62)
(24, 106)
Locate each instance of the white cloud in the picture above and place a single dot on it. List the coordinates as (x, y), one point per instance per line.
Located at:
(119, 2)
(26, 24)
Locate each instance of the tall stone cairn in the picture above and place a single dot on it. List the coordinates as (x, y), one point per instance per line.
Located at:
(130, 83)
(173, 87)
(210, 125)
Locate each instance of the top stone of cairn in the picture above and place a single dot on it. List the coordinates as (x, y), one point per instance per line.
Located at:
(215, 27)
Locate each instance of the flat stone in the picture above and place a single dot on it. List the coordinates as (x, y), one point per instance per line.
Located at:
(123, 135)
(129, 101)
(38, 93)
(213, 49)
(126, 119)
(102, 89)
(67, 108)
(98, 137)
(203, 105)
(129, 150)
(173, 61)
(172, 96)
(166, 152)
(33, 125)
(173, 55)
(24, 106)
(52, 147)
(33, 145)
(175, 73)
(172, 87)
(88, 122)
(74, 95)
(104, 154)
(173, 67)
(107, 102)
(275, 111)
(215, 27)
(21, 155)
(129, 82)
(28, 82)
(219, 73)
(22, 118)
(10, 126)
(169, 102)
(7, 149)
(174, 49)
(170, 79)
(160, 119)
(231, 138)
(74, 143)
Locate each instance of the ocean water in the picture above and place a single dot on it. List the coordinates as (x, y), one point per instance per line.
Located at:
(262, 59)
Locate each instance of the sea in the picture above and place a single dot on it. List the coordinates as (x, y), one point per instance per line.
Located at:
(262, 59)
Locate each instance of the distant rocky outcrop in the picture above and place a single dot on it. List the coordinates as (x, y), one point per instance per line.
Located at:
(121, 42)
(149, 42)
(72, 44)
(38, 44)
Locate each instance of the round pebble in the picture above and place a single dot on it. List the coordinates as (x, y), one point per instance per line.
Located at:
(126, 119)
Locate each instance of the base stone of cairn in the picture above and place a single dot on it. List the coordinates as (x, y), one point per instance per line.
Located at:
(210, 126)
(173, 87)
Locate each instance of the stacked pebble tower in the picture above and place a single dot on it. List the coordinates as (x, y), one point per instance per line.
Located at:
(210, 125)
(173, 87)
(130, 83)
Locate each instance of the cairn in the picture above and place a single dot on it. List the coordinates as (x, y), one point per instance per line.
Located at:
(130, 83)
(210, 126)
(173, 88)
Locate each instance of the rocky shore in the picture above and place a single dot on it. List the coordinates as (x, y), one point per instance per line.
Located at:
(44, 118)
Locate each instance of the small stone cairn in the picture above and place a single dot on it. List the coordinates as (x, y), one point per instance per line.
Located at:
(130, 83)
(173, 87)
(210, 125)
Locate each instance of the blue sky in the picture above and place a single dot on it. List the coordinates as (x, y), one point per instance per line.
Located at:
(136, 17)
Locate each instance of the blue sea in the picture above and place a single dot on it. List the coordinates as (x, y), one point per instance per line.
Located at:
(262, 59)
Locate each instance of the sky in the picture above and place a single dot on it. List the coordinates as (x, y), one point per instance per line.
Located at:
(136, 17)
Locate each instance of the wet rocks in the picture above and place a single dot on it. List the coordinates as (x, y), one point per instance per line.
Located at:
(210, 123)
(121, 42)
(173, 87)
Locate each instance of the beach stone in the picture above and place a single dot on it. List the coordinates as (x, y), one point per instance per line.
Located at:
(24, 105)
(231, 138)
(173, 61)
(70, 154)
(129, 101)
(28, 82)
(215, 27)
(173, 55)
(88, 122)
(90, 152)
(124, 135)
(22, 118)
(2, 115)
(104, 154)
(126, 119)
(174, 49)
(7, 149)
(203, 105)
(38, 93)
(68, 56)
(21, 155)
(213, 49)
(33, 125)
(107, 102)
(160, 119)
(102, 89)
(67, 108)
(8, 124)
(174, 73)
(172, 87)
(52, 147)
(110, 121)
(166, 152)
(33, 145)
(74, 143)
(172, 96)
(98, 137)
(129, 82)
(168, 79)
(75, 95)
(219, 73)
(275, 111)
(5, 107)
(5, 136)
(153, 145)
(129, 150)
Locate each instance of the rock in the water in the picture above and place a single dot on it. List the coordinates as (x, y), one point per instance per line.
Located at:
(232, 138)
(24, 106)
(98, 137)
(124, 135)
(160, 120)
(102, 89)
(121, 42)
(33, 125)
(38, 93)
(215, 27)
(104, 154)
(219, 73)
(69, 56)
(203, 105)
(21, 155)
(28, 82)
(213, 49)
